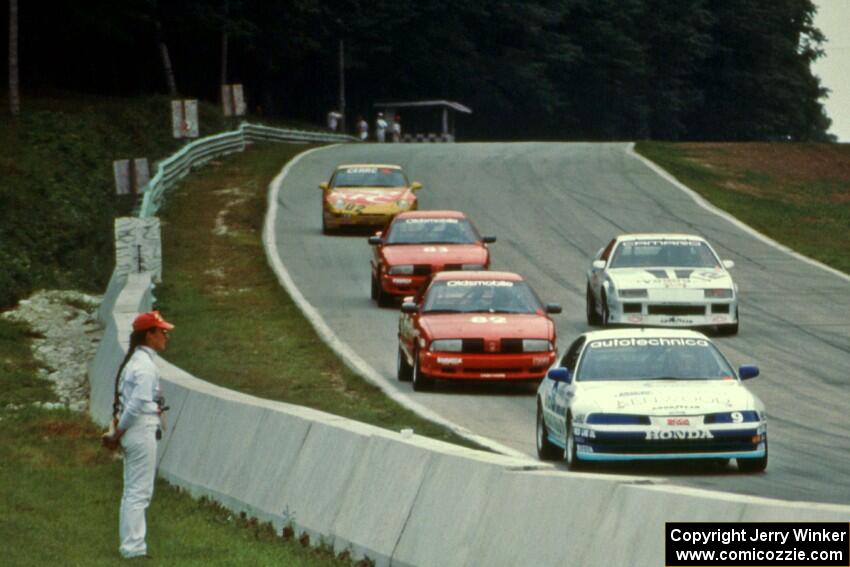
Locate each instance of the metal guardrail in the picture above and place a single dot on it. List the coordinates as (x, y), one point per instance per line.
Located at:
(170, 170)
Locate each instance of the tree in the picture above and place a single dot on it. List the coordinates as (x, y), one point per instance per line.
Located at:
(14, 85)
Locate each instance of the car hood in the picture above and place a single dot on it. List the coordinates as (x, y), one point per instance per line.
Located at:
(487, 326)
(666, 278)
(658, 397)
(370, 195)
(434, 254)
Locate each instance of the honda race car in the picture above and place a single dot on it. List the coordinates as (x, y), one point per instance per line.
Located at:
(418, 244)
(649, 394)
(475, 326)
(665, 280)
(366, 194)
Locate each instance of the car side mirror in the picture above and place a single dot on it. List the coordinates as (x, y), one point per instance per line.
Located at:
(375, 240)
(488, 239)
(324, 186)
(415, 186)
(409, 306)
(748, 371)
(560, 375)
(728, 264)
(598, 264)
(553, 308)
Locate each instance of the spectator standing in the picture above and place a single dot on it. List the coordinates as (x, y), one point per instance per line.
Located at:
(333, 120)
(381, 128)
(362, 129)
(397, 129)
(136, 426)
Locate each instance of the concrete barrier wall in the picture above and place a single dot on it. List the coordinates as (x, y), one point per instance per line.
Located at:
(404, 501)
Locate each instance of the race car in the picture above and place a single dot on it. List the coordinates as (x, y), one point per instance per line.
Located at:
(475, 326)
(664, 280)
(649, 394)
(366, 195)
(418, 244)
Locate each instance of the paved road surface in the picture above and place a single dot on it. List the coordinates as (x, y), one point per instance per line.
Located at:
(552, 206)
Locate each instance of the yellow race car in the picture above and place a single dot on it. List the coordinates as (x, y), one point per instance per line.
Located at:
(366, 194)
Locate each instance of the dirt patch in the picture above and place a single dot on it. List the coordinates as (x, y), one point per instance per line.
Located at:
(792, 162)
(797, 173)
(66, 429)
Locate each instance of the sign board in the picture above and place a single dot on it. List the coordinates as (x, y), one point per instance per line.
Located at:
(131, 175)
(233, 100)
(138, 246)
(184, 118)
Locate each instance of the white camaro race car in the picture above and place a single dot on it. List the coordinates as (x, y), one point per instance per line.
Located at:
(649, 394)
(665, 280)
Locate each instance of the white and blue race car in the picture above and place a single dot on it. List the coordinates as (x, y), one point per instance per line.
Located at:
(649, 394)
(661, 280)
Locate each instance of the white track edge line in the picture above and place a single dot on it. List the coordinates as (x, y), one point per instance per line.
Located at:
(702, 202)
(340, 347)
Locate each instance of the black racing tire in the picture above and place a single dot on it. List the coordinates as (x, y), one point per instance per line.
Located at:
(546, 450)
(605, 319)
(421, 381)
(570, 456)
(375, 288)
(593, 318)
(325, 228)
(404, 372)
(753, 465)
(384, 299)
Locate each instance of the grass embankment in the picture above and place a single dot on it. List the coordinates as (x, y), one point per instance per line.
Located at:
(57, 193)
(798, 194)
(236, 326)
(60, 492)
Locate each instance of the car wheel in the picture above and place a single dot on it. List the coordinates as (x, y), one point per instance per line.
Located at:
(593, 317)
(374, 287)
(570, 451)
(546, 450)
(325, 229)
(404, 371)
(753, 465)
(605, 316)
(421, 381)
(383, 298)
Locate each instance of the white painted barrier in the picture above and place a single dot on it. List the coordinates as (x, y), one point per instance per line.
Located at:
(402, 501)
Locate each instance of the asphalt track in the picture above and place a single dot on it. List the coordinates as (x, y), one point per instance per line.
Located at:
(552, 206)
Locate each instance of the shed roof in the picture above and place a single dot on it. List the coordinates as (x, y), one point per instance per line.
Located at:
(408, 104)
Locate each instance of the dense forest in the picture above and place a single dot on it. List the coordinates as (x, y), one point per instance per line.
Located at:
(593, 69)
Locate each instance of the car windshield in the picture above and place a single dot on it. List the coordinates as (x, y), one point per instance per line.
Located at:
(664, 253)
(480, 296)
(369, 177)
(653, 358)
(432, 231)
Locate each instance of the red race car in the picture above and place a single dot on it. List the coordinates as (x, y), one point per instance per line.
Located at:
(475, 326)
(418, 244)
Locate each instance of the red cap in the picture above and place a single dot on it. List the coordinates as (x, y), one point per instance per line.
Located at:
(150, 320)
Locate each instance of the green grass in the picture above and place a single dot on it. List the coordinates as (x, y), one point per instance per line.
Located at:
(236, 326)
(811, 216)
(60, 492)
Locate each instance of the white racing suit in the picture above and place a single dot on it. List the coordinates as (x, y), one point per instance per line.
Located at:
(381, 130)
(139, 391)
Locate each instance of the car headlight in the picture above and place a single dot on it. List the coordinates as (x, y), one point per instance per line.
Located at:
(447, 345)
(473, 267)
(403, 203)
(339, 203)
(632, 293)
(745, 416)
(405, 269)
(536, 345)
(718, 293)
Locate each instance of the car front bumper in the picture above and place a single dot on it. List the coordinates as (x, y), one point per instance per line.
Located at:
(651, 444)
(484, 367)
(664, 314)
